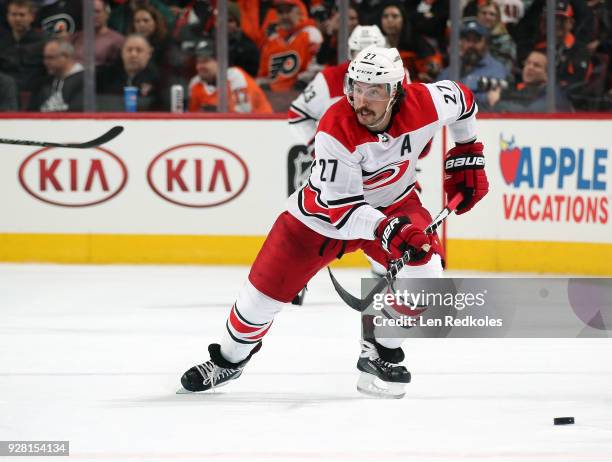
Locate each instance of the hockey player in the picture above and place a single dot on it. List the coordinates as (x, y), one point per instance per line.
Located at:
(327, 87)
(360, 195)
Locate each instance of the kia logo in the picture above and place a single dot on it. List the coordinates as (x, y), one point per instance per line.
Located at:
(70, 178)
(198, 175)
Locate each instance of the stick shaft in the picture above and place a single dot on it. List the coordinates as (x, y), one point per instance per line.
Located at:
(105, 138)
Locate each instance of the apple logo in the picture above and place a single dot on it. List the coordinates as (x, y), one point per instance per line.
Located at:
(509, 157)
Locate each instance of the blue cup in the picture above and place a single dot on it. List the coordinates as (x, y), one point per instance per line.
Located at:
(130, 98)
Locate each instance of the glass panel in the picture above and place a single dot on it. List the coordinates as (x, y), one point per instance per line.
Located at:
(160, 55)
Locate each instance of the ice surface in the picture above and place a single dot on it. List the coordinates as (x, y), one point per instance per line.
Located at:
(93, 354)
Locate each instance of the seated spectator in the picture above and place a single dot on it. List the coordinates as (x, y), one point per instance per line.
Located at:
(60, 19)
(134, 70)
(244, 95)
(108, 42)
(419, 54)
(242, 52)
(288, 52)
(501, 44)
(511, 11)
(531, 29)
(530, 94)
(63, 91)
(476, 61)
(149, 23)
(329, 25)
(8, 93)
(573, 57)
(21, 56)
(122, 15)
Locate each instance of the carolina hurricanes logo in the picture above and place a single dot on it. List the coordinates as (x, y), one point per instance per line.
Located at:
(284, 63)
(386, 176)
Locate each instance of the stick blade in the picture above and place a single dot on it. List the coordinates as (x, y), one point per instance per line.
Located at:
(103, 139)
(345, 295)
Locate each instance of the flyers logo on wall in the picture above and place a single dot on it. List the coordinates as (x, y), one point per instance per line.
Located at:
(73, 179)
(552, 183)
(198, 175)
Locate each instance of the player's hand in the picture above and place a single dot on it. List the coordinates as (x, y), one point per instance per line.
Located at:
(397, 234)
(464, 172)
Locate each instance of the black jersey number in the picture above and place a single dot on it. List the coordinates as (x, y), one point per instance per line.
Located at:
(447, 93)
(334, 166)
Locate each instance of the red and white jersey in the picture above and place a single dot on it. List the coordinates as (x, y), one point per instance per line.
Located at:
(325, 89)
(308, 108)
(356, 171)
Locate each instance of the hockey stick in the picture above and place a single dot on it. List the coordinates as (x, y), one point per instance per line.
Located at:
(105, 138)
(360, 304)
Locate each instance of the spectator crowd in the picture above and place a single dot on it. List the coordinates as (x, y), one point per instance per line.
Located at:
(276, 47)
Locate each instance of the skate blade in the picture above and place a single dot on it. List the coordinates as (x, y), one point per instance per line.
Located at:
(183, 391)
(371, 385)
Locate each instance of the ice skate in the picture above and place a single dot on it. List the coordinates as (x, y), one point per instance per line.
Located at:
(214, 373)
(381, 376)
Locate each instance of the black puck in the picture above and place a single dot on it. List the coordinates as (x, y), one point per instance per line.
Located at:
(563, 420)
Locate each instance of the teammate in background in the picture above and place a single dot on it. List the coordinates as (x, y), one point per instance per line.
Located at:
(244, 95)
(290, 49)
(360, 195)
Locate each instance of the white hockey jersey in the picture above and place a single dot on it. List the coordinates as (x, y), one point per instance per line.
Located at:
(308, 108)
(356, 171)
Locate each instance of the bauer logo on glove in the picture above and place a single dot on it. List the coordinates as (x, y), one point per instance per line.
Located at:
(459, 163)
(465, 173)
(397, 234)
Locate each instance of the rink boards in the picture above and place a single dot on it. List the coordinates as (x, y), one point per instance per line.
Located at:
(207, 189)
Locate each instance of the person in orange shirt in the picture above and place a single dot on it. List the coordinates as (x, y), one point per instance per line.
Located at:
(244, 95)
(289, 50)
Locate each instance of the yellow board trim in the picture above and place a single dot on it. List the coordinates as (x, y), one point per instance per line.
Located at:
(145, 248)
(530, 256)
(462, 254)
